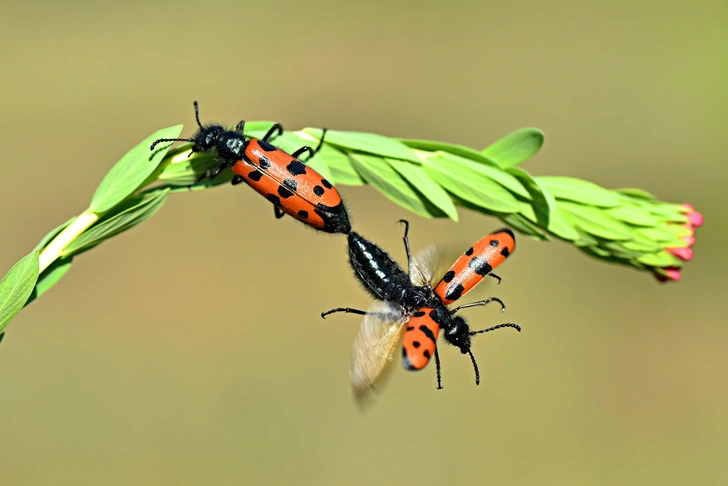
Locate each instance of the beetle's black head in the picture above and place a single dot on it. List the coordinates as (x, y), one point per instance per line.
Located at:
(206, 138)
(458, 334)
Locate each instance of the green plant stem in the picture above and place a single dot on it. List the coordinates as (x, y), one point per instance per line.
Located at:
(51, 252)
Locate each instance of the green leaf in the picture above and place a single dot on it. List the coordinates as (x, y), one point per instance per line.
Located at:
(585, 240)
(50, 277)
(516, 147)
(52, 234)
(450, 148)
(633, 214)
(641, 246)
(311, 138)
(468, 184)
(558, 224)
(380, 175)
(480, 164)
(16, 286)
(597, 252)
(371, 143)
(509, 181)
(562, 227)
(637, 193)
(110, 226)
(595, 221)
(619, 250)
(660, 234)
(342, 170)
(669, 212)
(524, 226)
(578, 190)
(256, 129)
(537, 192)
(131, 171)
(416, 175)
(187, 170)
(660, 259)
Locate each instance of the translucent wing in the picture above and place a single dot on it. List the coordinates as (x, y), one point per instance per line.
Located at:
(379, 336)
(425, 269)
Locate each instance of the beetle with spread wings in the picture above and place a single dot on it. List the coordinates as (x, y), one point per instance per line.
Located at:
(411, 307)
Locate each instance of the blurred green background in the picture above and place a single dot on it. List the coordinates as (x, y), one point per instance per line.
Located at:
(190, 350)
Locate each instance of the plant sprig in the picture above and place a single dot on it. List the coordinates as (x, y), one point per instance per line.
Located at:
(625, 226)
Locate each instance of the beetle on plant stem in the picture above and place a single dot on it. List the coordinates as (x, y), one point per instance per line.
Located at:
(282, 178)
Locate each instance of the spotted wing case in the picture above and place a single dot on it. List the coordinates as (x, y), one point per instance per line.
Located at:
(291, 185)
(420, 339)
(473, 265)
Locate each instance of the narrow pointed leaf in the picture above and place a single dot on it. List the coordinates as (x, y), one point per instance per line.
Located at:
(637, 193)
(256, 129)
(50, 277)
(641, 246)
(505, 179)
(371, 143)
(660, 259)
(342, 170)
(578, 190)
(516, 147)
(557, 224)
(660, 234)
(450, 148)
(106, 228)
(416, 175)
(536, 190)
(131, 171)
(16, 286)
(632, 214)
(380, 175)
(595, 221)
(523, 226)
(470, 185)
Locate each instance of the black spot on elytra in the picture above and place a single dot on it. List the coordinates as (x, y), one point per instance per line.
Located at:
(255, 175)
(480, 266)
(284, 192)
(266, 146)
(410, 328)
(505, 252)
(303, 214)
(273, 198)
(296, 168)
(290, 184)
(449, 276)
(264, 163)
(494, 243)
(416, 344)
(470, 251)
(418, 314)
(326, 184)
(454, 292)
(318, 190)
(426, 331)
(426, 353)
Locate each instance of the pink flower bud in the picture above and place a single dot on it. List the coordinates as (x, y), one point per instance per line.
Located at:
(695, 218)
(689, 206)
(690, 240)
(685, 254)
(672, 274)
